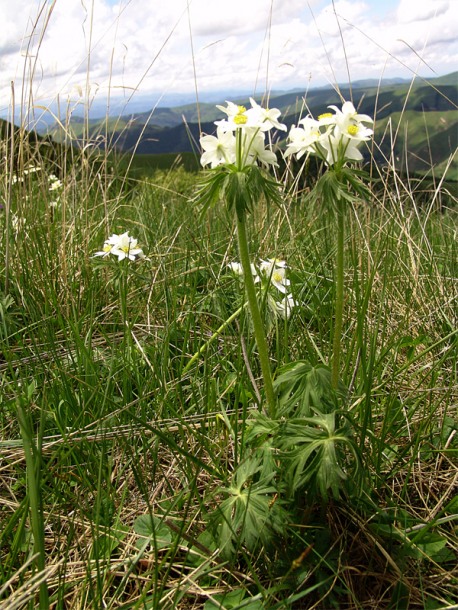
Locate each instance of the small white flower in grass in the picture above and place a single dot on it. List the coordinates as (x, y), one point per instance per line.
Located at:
(31, 170)
(285, 306)
(266, 265)
(274, 270)
(54, 183)
(123, 246)
(219, 149)
(237, 269)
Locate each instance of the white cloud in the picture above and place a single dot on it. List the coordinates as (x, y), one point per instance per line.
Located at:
(149, 48)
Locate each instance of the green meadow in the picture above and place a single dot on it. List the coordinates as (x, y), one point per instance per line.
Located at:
(134, 443)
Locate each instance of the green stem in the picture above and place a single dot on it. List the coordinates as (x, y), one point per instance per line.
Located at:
(339, 302)
(215, 335)
(258, 326)
(33, 465)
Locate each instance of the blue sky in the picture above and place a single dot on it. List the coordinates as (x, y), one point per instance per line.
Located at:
(154, 47)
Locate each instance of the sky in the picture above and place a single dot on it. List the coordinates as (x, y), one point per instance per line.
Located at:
(77, 50)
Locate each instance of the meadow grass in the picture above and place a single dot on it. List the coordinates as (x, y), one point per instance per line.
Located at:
(100, 427)
(129, 388)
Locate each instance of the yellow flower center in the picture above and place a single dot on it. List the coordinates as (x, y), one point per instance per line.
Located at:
(353, 130)
(107, 247)
(240, 118)
(277, 276)
(325, 115)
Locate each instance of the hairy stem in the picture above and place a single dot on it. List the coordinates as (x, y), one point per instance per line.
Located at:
(258, 326)
(339, 299)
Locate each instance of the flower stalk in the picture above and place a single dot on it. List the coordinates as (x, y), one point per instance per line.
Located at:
(339, 297)
(258, 326)
(239, 159)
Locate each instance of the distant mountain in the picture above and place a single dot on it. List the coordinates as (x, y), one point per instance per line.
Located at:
(426, 112)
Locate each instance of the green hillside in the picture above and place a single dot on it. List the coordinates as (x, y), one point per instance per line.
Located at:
(423, 115)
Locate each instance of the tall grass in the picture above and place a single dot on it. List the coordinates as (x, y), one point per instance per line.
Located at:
(114, 450)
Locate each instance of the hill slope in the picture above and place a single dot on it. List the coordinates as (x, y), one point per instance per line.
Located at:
(424, 116)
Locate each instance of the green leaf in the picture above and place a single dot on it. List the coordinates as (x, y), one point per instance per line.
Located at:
(108, 542)
(426, 545)
(233, 601)
(250, 513)
(313, 455)
(301, 386)
(152, 529)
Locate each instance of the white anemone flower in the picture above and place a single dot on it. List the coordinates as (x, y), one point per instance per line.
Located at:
(257, 150)
(238, 117)
(123, 246)
(349, 115)
(219, 149)
(54, 183)
(237, 269)
(275, 271)
(349, 123)
(336, 145)
(266, 117)
(303, 139)
(285, 306)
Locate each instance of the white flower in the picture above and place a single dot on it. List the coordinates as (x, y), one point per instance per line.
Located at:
(285, 306)
(303, 139)
(31, 170)
(123, 246)
(349, 123)
(54, 183)
(334, 136)
(219, 149)
(256, 149)
(274, 270)
(238, 117)
(348, 115)
(266, 117)
(237, 269)
(266, 265)
(337, 147)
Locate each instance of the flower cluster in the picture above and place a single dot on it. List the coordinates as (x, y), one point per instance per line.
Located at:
(250, 126)
(54, 186)
(26, 172)
(271, 273)
(123, 246)
(333, 137)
